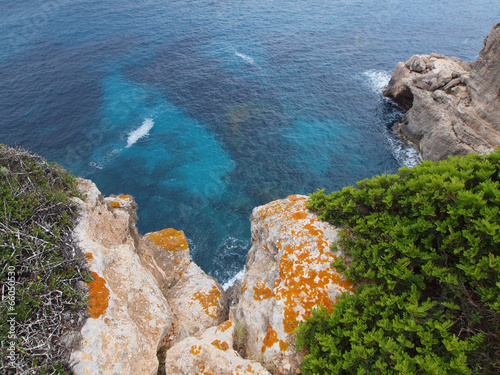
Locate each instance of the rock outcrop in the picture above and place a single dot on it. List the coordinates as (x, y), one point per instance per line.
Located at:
(129, 315)
(453, 108)
(288, 272)
(166, 255)
(146, 287)
(142, 285)
(196, 302)
(194, 297)
(484, 82)
(212, 353)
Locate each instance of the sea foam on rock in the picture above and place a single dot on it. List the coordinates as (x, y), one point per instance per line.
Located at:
(453, 107)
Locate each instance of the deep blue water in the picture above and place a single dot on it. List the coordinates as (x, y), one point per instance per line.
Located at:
(205, 109)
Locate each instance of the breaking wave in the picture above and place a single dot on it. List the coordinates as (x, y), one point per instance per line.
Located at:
(377, 79)
(245, 58)
(140, 132)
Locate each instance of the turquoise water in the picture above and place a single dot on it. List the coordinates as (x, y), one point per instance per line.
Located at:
(203, 110)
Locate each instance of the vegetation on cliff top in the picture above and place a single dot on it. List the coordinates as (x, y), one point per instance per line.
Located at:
(41, 266)
(424, 253)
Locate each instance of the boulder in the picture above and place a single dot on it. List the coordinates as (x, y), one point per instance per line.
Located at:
(211, 353)
(166, 255)
(453, 108)
(288, 272)
(196, 301)
(129, 315)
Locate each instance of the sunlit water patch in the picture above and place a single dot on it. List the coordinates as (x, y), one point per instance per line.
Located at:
(323, 146)
(175, 168)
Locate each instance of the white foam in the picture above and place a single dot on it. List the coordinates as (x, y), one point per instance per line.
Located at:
(406, 155)
(233, 279)
(96, 165)
(246, 58)
(140, 132)
(377, 79)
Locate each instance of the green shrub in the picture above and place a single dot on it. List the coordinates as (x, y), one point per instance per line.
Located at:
(40, 265)
(424, 246)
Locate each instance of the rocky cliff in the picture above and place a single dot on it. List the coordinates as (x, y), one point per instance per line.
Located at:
(149, 301)
(129, 315)
(288, 272)
(453, 107)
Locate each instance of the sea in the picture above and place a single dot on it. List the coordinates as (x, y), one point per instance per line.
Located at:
(203, 109)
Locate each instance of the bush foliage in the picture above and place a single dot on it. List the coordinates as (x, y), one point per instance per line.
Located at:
(40, 265)
(424, 250)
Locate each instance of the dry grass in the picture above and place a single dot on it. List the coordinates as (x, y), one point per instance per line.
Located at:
(41, 262)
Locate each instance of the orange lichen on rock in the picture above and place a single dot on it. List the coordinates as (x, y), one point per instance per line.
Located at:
(99, 296)
(260, 292)
(225, 326)
(126, 196)
(290, 320)
(283, 346)
(244, 287)
(89, 256)
(270, 339)
(222, 345)
(170, 239)
(115, 204)
(296, 198)
(299, 215)
(305, 272)
(209, 301)
(195, 349)
(277, 207)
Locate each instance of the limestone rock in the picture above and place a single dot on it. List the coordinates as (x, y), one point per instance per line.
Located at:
(129, 315)
(166, 255)
(288, 272)
(196, 302)
(419, 63)
(212, 353)
(484, 83)
(453, 108)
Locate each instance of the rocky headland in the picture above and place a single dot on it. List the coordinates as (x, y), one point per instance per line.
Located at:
(153, 310)
(452, 107)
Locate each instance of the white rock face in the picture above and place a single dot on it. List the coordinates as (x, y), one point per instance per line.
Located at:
(144, 283)
(288, 272)
(129, 316)
(212, 353)
(196, 302)
(166, 255)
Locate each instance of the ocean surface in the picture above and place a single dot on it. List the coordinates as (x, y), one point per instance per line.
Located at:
(203, 110)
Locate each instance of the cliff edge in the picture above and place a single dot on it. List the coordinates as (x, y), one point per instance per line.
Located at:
(453, 107)
(154, 311)
(151, 309)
